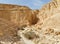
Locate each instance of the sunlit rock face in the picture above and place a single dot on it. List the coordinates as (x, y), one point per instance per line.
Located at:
(48, 10)
(20, 15)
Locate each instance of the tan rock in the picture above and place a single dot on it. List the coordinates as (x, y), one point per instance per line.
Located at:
(8, 31)
(48, 10)
(21, 15)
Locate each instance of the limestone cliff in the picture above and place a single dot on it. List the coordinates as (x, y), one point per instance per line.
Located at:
(20, 15)
(48, 10)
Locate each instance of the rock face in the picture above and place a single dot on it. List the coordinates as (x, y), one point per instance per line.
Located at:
(43, 26)
(48, 10)
(20, 15)
(8, 31)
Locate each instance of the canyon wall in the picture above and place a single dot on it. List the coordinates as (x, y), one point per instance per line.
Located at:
(20, 15)
(48, 10)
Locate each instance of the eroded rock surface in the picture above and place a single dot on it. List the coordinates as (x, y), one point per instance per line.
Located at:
(20, 15)
(44, 24)
(8, 31)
